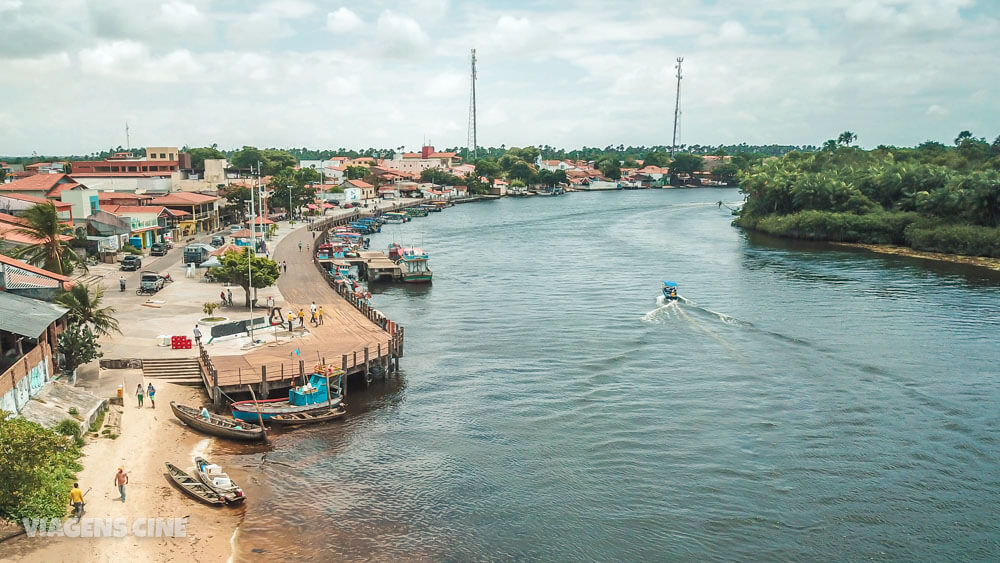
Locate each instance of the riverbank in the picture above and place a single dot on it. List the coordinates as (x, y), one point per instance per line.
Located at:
(980, 261)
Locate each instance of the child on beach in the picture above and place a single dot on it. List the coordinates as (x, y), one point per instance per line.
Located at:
(139, 394)
(151, 391)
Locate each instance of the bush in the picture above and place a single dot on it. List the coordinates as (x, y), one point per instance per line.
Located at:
(872, 228)
(209, 307)
(68, 428)
(73, 411)
(128, 248)
(970, 240)
(37, 466)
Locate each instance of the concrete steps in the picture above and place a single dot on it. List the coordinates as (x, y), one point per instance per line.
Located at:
(179, 371)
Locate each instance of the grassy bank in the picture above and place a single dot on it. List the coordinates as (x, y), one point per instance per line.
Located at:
(901, 228)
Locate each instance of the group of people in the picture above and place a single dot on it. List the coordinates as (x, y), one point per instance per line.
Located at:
(150, 391)
(315, 316)
(226, 297)
(76, 495)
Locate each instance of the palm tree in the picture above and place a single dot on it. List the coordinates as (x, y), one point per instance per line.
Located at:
(51, 251)
(85, 308)
(846, 138)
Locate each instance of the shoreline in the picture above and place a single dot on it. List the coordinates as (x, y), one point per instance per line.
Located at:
(979, 261)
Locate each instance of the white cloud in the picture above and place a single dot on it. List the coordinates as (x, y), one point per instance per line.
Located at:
(9, 5)
(399, 36)
(447, 85)
(937, 111)
(342, 21)
(131, 60)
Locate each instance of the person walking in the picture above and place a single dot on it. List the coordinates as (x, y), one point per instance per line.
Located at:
(229, 296)
(76, 499)
(319, 314)
(151, 393)
(222, 296)
(291, 318)
(121, 479)
(302, 317)
(139, 394)
(312, 314)
(300, 246)
(121, 283)
(197, 335)
(284, 266)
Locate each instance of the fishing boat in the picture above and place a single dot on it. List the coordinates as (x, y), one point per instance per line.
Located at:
(311, 417)
(443, 204)
(217, 425)
(192, 486)
(396, 217)
(670, 290)
(216, 479)
(432, 208)
(413, 265)
(395, 251)
(316, 395)
(416, 212)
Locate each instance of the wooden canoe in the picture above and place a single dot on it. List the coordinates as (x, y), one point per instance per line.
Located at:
(308, 417)
(192, 486)
(217, 425)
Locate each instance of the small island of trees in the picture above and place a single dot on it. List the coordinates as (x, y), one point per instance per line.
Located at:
(932, 197)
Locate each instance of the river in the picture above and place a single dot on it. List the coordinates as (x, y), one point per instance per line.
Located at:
(799, 403)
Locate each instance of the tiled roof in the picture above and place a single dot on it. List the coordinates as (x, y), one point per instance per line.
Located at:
(36, 183)
(135, 209)
(359, 184)
(108, 196)
(34, 199)
(183, 198)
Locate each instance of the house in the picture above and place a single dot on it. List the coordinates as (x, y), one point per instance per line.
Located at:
(202, 211)
(388, 192)
(367, 190)
(46, 168)
(10, 237)
(17, 204)
(29, 329)
(146, 222)
(42, 185)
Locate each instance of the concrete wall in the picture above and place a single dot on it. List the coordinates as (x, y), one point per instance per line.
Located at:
(26, 378)
(81, 201)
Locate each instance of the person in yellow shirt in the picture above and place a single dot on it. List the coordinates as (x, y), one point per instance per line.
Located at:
(76, 498)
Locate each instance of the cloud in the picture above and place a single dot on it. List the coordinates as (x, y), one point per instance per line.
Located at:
(399, 36)
(131, 60)
(447, 85)
(342, 21)
(935, 110)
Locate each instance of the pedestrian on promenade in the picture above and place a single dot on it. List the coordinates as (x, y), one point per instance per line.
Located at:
(151, 391)
(229, 296)
(121, 479)
(302, 317)
(312, 314)
(121, 283)
(76, 499)
(139, 394)
(314, 234)
(284, 266)
(291, 318)
(197, 335)
(300, 246)
(319, 314)
(222, 296)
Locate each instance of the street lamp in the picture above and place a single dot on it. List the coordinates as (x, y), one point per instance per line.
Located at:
(289, 202)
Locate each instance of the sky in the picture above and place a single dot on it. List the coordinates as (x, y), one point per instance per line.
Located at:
(385, 74)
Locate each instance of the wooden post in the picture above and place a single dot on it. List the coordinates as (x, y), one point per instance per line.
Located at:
(260, 418)
(216, 392)
(366, 366)
(343, 362)
(302, 371)
(355, 364)
(263, 382)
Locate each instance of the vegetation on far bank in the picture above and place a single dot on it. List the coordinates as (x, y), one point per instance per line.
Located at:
(932, 197)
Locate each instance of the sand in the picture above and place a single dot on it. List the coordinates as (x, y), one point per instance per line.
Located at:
(980, 261)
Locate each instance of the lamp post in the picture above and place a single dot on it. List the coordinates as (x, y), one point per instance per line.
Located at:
(289, 202)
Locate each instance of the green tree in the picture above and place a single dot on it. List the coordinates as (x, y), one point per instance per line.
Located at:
(84, 304)
(962, 136)
(610, 168)
(656, 158)
(439, 177)
(488, 169)
(247, 157)
(199, 155)
(293, 183)
(51, 252)
(78, 346)
(846, 138)
(684, 163)
(357, 172)
(726, 172)
(238, 268)
(237, 202)
(521, 170)
(37, 466)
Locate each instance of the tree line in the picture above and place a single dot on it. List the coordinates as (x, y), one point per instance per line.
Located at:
(930, 197)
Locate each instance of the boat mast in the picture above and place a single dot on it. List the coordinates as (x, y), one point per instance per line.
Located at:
(677, 106)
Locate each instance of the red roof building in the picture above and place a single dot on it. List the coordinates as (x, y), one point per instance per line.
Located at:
(42, 185)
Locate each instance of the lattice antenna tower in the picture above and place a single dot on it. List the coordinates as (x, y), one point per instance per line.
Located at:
(677, 107)
(472, 142)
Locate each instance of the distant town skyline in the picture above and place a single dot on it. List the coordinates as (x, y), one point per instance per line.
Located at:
(324, 75)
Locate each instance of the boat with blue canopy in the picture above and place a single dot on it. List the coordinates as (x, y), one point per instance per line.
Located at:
(670, 290)
(316, 395)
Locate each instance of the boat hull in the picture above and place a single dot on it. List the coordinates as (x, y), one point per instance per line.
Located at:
(245, 410)
(217, 426)
(191, 486)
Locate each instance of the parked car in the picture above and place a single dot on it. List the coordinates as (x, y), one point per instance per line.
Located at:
(235, 228)
(131, 263)
(150, 282)
(158, 249)
(348, 205)
(218, 240)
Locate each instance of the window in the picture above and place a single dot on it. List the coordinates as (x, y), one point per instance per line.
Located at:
(163, 155)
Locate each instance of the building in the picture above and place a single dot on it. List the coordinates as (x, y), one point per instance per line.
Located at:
(17, 204)
(367, 190)
(10, 237)
(29, 329)
(203, 211)
(48, 186)
(161, 161)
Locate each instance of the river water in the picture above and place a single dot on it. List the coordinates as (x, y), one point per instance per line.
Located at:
(799, 403)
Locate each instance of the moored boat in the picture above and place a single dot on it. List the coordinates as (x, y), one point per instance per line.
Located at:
(216, 479)
(416, 212)
(396, 217)
(670, 290)
(191, 486)
(217, 425)
(311, 417)
(313, 396)
(413, 265)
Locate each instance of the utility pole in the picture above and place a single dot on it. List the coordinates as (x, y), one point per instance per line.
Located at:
(128, 143)
(677, 107)
(473, 142)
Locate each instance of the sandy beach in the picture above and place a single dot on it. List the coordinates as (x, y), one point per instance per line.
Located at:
(980, 261)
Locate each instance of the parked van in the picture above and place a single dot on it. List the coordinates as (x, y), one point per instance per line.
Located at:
(196, 253)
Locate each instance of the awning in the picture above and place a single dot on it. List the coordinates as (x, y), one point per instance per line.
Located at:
(328, 206)
(311, 206)
(27, 317)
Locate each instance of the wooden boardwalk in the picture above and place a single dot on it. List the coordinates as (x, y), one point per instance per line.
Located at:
(352, 336)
